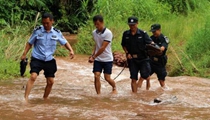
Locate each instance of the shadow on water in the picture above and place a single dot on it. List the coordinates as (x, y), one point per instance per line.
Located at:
(73, 97)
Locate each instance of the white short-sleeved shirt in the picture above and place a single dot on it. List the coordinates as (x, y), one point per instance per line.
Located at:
(100, 37)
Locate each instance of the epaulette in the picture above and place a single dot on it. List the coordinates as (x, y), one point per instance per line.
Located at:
(37, 28)
(143, 31)
(56, 30)
(166, 38)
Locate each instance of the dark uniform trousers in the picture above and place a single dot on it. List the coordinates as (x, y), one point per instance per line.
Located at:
(135, 45)
(158, 63)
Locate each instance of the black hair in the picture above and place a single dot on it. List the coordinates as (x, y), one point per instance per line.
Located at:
(98, 18)
(47, 15)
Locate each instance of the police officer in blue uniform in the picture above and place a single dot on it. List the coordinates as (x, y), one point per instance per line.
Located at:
(44, 40)
(134, 44)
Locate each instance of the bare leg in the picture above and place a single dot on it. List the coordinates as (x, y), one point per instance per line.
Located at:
(97, 82)
(162, 83)
(30, 84)
(140, 82)
(111, 82)
(148, 83)
(48, 88)
(134, 85)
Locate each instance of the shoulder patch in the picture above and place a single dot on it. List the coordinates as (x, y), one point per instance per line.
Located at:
(56, 30)
(166, 39)
(145, 31)
(37, 28)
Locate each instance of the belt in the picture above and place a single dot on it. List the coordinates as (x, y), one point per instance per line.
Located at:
(134, 55)
(138, 56)
(156, 59)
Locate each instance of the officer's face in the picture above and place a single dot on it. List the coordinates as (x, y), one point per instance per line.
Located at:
(47, 23)
(133, 27)
(157, 33)
(99, 25)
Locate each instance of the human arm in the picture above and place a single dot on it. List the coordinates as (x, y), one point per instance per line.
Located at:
(69, 48)
(66, 44)
(91, 60)
(128, 55)
(164, 43)
(28, 46)
(123, 44)
(100, 51)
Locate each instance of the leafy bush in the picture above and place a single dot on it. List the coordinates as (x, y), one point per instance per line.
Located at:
(12, 44)
(183, 31)
(184, 6)
(198, 50)
(115, 14)
(69, 14)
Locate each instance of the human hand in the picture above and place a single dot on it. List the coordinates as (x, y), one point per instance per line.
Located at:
(91, 59)
(71, 54)
(23, 57)
(129, 56)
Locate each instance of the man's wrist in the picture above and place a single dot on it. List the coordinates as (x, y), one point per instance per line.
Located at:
(93, 57)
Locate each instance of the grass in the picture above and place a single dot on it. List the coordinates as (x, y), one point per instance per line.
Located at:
(12, 44)
(188, 33)
(184, 31)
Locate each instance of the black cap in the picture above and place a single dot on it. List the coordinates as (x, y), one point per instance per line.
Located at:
(155, 27)
(132, 20)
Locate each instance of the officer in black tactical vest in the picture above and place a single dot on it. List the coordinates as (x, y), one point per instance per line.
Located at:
(134, 44)
(158, 62)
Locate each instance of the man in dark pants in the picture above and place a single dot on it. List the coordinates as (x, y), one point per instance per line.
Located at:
(134, 44)
(44, 40)
(158, 63)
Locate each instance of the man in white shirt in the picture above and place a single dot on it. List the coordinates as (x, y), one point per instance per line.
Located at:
(102, 54)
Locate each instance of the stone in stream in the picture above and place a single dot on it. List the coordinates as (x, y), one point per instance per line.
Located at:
(157, 100)
(166, 99)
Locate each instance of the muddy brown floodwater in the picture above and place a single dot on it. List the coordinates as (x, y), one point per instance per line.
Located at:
(73, 97)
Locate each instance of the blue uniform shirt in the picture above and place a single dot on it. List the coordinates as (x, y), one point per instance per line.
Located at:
(45, 43)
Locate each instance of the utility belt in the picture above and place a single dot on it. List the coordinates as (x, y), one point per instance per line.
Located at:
(159, 60)
(139, 56)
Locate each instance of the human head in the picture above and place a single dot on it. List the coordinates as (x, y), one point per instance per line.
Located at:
(98, 21)
(47, 21)
(156, 29)
(133, 23)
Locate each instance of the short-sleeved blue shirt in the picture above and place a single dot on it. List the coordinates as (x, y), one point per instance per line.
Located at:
(45, 43)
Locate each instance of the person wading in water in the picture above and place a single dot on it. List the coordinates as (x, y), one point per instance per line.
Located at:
(102, 57)
(44, 40)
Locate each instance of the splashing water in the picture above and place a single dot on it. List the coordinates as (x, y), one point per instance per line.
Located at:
(74, 98)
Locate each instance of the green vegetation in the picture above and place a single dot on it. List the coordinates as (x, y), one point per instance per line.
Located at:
(12, 44)
(17, 23)
(198, 50)
(185, 22)
(68, 14)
